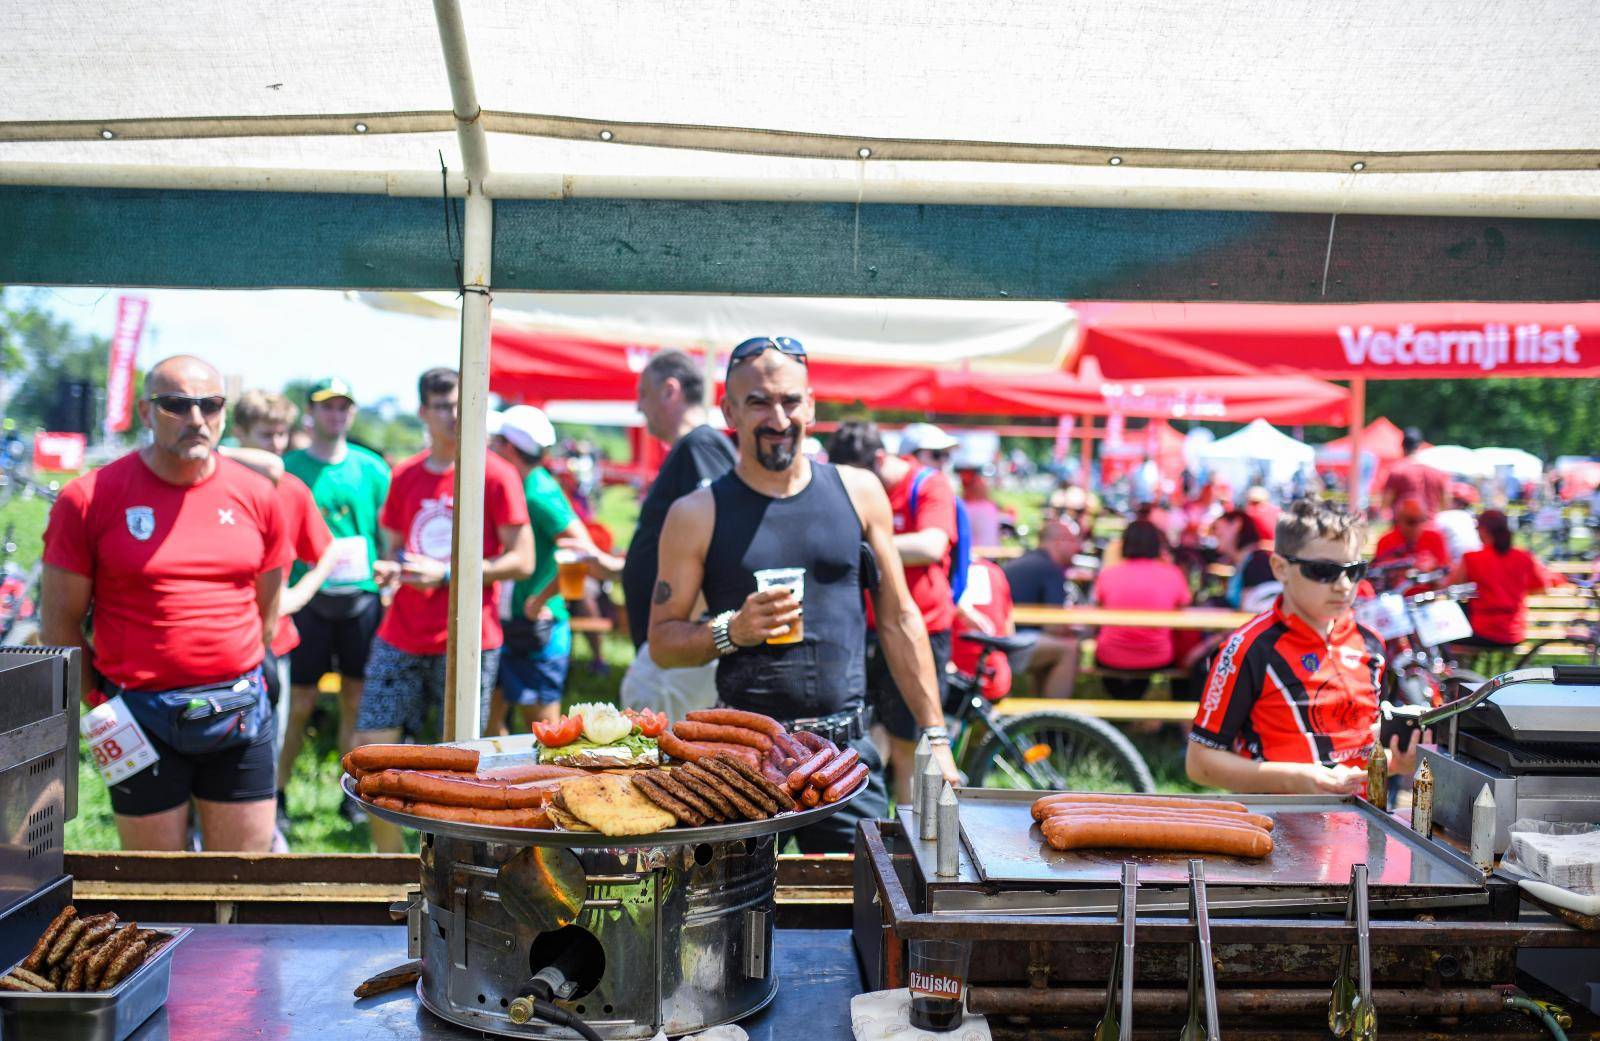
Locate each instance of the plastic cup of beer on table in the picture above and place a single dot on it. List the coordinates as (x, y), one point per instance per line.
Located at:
(572, 573)
(794, 580)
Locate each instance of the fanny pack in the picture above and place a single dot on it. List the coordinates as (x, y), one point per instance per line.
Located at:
(524, 637)
(209, 718)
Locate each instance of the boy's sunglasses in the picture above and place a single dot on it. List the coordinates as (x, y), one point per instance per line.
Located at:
(1327, 571)
(180, 406)
(761, 344)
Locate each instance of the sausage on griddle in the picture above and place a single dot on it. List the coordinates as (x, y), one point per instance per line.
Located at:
(1065, 833)
(1175, 801)
(1090, 809)
(414, 757)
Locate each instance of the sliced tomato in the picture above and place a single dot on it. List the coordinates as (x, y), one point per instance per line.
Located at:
(563, 731)
(545, 733)
(650, 722)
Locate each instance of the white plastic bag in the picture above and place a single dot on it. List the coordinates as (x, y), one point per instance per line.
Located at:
(1565, 855)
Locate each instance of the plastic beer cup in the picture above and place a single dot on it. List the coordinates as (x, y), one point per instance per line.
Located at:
(572, 571)
(794, 580)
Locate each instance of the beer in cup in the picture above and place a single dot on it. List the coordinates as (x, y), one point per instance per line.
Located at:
(794, 580)
(572, 571)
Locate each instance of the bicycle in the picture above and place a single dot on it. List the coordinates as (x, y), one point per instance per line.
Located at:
(1585, 631)
(19, 596)
(1426, 674)
(1052, 750)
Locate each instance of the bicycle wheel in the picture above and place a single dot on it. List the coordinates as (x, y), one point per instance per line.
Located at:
(1090, 754)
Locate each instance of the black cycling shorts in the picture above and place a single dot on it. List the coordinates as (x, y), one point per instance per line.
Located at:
(244, 773)
(335, 635)
(885, 696)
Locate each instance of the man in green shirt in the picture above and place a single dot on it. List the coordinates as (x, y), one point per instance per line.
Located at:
(349, 484)
(538, 630)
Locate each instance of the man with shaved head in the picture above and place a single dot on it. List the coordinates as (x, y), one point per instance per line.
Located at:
(180, 553)
(778, 510)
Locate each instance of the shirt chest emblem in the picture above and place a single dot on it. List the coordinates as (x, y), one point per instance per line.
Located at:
(224, 516)
(141, 522)
(1309, 662)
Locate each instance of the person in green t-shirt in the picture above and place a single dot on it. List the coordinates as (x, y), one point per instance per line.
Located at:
(538, 631)
(349, 484)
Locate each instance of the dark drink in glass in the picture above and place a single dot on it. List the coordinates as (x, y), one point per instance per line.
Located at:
(938, 983)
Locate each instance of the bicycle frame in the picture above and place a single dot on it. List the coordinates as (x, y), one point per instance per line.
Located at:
(974, 709)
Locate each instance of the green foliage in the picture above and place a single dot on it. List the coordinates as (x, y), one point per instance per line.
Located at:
(37, 352)
(1548, 417)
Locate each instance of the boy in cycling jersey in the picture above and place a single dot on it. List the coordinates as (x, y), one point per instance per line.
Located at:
(1291, 703)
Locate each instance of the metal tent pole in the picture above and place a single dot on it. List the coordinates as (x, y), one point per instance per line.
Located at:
(1358, 424)
(463, 660)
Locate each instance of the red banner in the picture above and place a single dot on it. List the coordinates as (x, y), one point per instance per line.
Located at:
(124, 352)
(1340, 341)
(58, 451)
(1063, 438)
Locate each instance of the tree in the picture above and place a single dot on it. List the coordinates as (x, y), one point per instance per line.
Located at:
(38, 352)
(1548, 417)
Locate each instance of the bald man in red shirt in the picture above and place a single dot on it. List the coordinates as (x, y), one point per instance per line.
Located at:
(181, 554)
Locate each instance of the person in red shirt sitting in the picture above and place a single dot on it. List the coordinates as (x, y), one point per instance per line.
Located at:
(985, 608)
(1413, 538)
(1291, 705)
(1504, 576)
(180, 552)
(406, 667)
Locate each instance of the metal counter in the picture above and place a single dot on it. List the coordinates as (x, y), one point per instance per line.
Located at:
(292, 981)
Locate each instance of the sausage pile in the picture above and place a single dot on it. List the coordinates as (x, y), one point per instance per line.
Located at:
(1173, 824)
(78, 954)
(732, 766)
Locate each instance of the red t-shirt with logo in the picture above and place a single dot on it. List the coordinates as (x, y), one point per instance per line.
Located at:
(310, 537)
(989, 594)
(1430, 552)
(1499, 609)
(420, 508)
(1279, 692)
(936, 508)
(174, 569)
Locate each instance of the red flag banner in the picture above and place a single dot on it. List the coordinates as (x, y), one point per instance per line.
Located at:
(131, 311)
(1063, 438)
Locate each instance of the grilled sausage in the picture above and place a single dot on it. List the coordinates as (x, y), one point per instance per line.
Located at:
(802, 774)
(814, 742)
(1089, 809)
(131, 957)
(811, 797)
(452, 790)
(96, 928)
(679, 809)
(743, 808)
(732, 717)
(846, 784)
(47, 939)
(523, 773)
(743, 785)
(105, 952)
(829, 775)
(774, 789)
(76, 971)
(676, 788)
(690, 730)
(528, 817)
(32, 978)
(694, 751)
(707, 790)
(1176, 801)
(350, 767)
(66, 941)
(414, 757)
(1066, 833)
(12, 983)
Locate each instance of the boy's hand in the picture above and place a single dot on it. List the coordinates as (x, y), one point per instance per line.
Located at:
(1334, 780)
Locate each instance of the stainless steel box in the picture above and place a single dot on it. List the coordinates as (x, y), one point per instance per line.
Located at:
(109, 1015)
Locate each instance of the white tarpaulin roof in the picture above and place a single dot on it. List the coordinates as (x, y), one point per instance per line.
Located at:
(1492, 107)
(1040, 335)
(1258, 444)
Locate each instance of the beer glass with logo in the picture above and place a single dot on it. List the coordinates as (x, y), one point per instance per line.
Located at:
(794, 580)
(572, 570)
(938, 984)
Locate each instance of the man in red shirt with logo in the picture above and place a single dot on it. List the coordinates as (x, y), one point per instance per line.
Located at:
(1413, 538)
(181, 553)
(1291, 705)
(406, 666)
(924, 537)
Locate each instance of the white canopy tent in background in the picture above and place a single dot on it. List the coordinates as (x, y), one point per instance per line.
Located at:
(1259, 446)
(783, 130)
(1524, 466)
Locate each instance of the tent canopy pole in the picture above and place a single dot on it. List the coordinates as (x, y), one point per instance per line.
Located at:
(1358, 423)
(464, 652)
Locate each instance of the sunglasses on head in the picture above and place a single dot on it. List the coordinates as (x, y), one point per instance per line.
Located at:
(180, 405)
(1328, 571)
(761, 344)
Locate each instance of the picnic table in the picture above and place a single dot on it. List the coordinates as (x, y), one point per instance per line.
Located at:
(1206, 619)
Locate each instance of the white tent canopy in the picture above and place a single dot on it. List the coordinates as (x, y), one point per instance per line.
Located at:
(1258, 446)
(1524, 466)
(1454, 459)
(1296, 105)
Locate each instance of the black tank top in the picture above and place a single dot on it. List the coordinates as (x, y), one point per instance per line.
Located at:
(816, 528)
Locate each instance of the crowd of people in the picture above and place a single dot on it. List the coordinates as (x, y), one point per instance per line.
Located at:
(216, 587)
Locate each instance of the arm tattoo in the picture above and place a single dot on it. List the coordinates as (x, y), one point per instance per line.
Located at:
(663, 593)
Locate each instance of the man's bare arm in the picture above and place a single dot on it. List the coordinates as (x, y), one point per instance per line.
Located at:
(260, 460)
(676, 640)
(1219, 769)
(269, 584)
(516, 562)
(921, 548)
(298, 595)
(63, 605)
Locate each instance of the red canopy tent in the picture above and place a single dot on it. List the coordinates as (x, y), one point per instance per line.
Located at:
(1381, 439)
(537, 365)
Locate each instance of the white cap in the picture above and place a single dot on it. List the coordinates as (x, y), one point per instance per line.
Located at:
(527, 428)
(925, 437)
(492, 419)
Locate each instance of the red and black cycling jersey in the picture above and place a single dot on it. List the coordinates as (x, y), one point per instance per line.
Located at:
(1279, 692)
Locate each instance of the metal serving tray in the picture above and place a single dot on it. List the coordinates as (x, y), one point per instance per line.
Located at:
(108, 1015)
(594, 840)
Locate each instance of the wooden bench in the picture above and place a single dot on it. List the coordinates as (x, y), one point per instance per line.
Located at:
(1207, 619)
(1112, 710)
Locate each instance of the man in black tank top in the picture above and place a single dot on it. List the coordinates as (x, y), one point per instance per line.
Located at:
(776, 509)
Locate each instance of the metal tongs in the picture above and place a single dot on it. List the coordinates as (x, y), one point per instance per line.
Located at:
(1202, 974)
(1115, 1025)
(1350, 1006)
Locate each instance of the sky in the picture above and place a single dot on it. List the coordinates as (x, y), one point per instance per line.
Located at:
(268, 337)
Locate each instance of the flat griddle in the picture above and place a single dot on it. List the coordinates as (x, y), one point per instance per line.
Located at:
(1006, 864)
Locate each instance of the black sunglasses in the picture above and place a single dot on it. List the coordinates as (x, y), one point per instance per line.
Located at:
(1327, 571)
(180, 406)
(761, 344)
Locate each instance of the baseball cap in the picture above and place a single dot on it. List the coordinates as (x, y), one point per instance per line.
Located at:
(925, 437)
(527, 428)
(332, 387)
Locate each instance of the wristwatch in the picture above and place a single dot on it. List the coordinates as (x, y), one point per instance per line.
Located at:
(935, 734)
(719, 633)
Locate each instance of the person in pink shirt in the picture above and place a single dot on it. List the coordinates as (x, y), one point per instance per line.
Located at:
(1143, 581)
